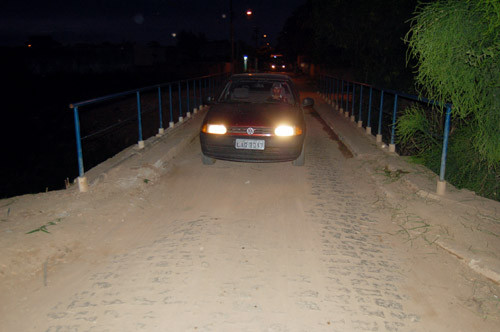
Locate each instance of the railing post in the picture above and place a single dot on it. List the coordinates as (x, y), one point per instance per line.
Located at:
(369, 119)
(441, 185)
(346, 112)
(336, 94)
(188, 112)
(360, 116)
(205, 88)
(171, 123)
(330, 86)
(140, 143)
(353, 116)
(341, 109)
(210, 86)
(392, 145)
(195, 106)
(214, 85)
(379, 132)
(332, 91)
(180, 102)
(161, 130)
(325, 87)
(82, 180)
(334, 83)
(201, 95)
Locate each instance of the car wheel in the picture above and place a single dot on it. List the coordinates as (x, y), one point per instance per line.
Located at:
(207, 160)
(300, 161)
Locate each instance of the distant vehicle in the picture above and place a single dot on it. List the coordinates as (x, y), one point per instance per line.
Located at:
(256, 118)
(276, 63)
(277, 66)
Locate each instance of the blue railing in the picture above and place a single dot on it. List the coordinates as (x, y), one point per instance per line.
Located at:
(342, 94)
(187, 94)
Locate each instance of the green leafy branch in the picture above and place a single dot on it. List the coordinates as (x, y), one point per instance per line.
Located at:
(43, 228)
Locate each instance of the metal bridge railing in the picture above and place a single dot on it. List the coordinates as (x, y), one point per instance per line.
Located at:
(183, 96)
(343, 96)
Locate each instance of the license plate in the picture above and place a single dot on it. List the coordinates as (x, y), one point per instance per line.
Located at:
(250, 144)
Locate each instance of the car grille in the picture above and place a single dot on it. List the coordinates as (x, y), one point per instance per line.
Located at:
(270, 154)
(258, 131)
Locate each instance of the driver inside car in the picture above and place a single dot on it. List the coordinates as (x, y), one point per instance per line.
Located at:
(277, 93)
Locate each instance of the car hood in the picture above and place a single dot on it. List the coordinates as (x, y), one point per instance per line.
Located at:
(265, 115)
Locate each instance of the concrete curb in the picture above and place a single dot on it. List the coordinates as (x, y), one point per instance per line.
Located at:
(158, 150)
(360, 144)
(364, 146)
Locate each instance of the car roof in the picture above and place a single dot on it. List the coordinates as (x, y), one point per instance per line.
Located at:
(263, 76)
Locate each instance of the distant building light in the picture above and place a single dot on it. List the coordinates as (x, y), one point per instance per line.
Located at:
(224, 16)
(174, 34)
(265, 36)
(249, 12)
(29, 45)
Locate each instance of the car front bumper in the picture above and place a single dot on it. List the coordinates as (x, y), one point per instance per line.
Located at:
(276, 148)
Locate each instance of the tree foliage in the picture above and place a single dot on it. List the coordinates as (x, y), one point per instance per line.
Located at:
(456, 45)
(364, 35)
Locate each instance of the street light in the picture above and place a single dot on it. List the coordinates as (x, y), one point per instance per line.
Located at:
(245, 63)
(249, 14)
(256, 36)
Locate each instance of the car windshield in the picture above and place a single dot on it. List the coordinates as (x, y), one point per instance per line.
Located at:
(257, 91)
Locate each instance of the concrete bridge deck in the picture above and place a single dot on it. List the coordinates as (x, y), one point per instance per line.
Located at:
(163, 243)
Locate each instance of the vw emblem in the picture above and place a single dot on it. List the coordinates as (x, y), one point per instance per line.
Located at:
(250, 131)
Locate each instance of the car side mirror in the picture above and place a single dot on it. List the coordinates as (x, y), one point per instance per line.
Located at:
(308, 102)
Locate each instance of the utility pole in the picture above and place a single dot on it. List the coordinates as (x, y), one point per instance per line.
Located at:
(232, 34)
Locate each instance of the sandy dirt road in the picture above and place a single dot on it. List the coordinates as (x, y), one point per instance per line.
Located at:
(253, 247)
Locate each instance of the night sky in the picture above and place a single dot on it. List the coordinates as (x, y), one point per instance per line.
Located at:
(94, 21)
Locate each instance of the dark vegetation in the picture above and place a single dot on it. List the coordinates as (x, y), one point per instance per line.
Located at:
(446, 50)
(457, 47)
(365, 37)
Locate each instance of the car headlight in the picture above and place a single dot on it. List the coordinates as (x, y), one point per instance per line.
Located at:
(214, 129)
(285, 130)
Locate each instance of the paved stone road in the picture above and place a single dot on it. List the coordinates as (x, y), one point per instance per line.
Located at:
(246, 247)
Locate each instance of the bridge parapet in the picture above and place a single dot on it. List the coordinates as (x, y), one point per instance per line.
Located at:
(341, 94)
(184, 97)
